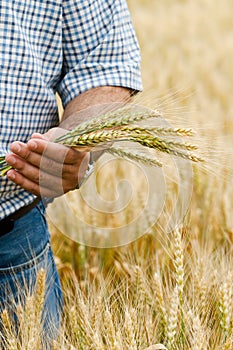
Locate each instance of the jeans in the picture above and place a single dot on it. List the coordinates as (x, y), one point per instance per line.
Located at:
(23, 252)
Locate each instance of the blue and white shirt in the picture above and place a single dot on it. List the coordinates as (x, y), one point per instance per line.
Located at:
(49, 46)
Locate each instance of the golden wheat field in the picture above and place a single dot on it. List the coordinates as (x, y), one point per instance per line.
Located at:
(166, 289)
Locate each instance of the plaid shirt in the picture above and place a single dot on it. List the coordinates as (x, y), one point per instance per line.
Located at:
(49, 46)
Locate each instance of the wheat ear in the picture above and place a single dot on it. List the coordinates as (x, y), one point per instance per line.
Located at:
(123, 116)
(173, 319)
(134, 156)
(160, 303)
(9, 338)
(129, 332)
(110, 332)
(224, 307)
(146, 139)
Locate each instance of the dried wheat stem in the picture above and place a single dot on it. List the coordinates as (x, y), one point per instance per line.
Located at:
(178, 252)
(123, 116)
(29, 327)
(199, 340)
(173, 318)
(9, 338)
(33, 312)
(6, 321)
(5, 169)
(110, 332)
(156, 347)
(79, 319)
(229, 343)
(178, 261)
(162, 130)
(146, 139)
(200, 286)
(97, 342)
(142, 291)
(163, 146)
(132, 130)
(40, 293)
(74, 323)
(160, 303)
(165, 143)
(175, 131)
(224, 307)
(96, 312)
(80, 327)
(129, 332)
(93, 138)
(135, 156)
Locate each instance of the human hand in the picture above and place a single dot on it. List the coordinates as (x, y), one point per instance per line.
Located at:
(45, 168)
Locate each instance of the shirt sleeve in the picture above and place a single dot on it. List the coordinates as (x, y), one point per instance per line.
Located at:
(100, 47)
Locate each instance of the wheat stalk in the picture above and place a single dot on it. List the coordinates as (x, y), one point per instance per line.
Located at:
(110, 332)
(8, 333)
(158, 130)
(173, 318)
(160, 303)
(156, 347)
(178, 262)
(122, 116)
(40, 293)
(199, 340)
(135, 156)
(4, 167)
(148, 140)
(224, 303)
(129, 332)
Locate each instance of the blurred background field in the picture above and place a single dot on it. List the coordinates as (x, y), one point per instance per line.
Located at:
(169, 289)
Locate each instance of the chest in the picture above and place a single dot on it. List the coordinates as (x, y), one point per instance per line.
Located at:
(30, 32)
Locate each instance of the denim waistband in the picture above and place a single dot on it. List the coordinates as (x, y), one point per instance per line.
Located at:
(27, 238)
(7, 224)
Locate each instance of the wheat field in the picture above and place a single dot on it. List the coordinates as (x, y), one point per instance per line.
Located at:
(164, 289)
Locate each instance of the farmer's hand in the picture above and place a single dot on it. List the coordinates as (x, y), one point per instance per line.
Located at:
(45, 168)
(48, 169)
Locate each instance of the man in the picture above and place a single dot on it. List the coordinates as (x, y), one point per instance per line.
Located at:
(87, 52)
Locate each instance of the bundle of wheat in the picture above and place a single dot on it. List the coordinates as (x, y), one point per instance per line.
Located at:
(125, 124)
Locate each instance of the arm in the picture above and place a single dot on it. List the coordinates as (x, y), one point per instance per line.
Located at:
(96, 96)
(99, 67)
(48, 169)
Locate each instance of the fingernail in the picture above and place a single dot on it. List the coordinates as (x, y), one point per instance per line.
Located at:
(15, 147)
(32, 145)
(11, 174)
(10, 160)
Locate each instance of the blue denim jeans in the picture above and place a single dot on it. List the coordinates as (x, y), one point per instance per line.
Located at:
(23, 252)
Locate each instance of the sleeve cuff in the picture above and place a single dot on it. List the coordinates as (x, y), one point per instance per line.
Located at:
(91, 77)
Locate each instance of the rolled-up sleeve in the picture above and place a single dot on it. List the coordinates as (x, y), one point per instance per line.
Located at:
(100, 47)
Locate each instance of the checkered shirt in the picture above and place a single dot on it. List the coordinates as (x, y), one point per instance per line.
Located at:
(49, 46)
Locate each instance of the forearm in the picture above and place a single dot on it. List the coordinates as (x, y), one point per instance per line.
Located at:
(79, 109)
(91, 103)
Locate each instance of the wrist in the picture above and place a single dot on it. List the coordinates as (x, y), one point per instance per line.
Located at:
(88, 172)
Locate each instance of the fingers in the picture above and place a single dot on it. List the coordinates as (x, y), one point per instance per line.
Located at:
(40, 182)
(45, 168)
(52, 150)
(37, 148)
(34, 160)
(35, 174)
(33, 187)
